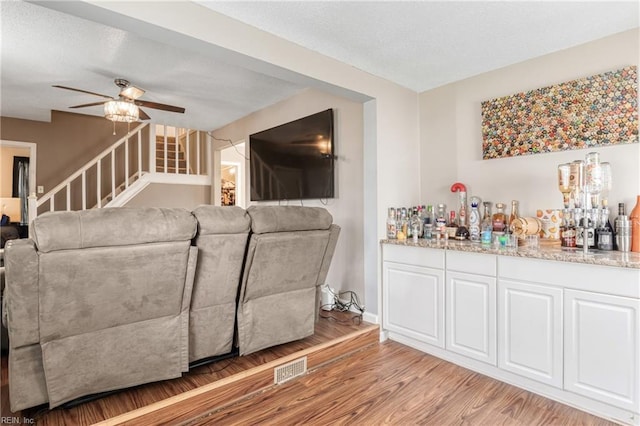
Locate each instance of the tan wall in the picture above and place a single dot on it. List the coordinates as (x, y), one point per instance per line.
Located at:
(170, 195)
(451, 132)
(63, 145)
(6, 168)
(347, 208)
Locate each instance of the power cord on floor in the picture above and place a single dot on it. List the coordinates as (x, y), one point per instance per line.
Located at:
(340, 304)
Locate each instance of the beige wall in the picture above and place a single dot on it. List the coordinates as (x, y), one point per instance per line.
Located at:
(172, 195)
(63, 145)
(347, 207)
(451, 137)
(6, 168)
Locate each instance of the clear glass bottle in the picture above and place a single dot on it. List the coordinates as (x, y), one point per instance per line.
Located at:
(486, 226)
(499, 218)
(513, 215)
(391, 224)
(441, 219)
(569, 236)
(416, 224)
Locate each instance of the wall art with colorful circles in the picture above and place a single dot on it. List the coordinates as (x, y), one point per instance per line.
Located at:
(600, 110)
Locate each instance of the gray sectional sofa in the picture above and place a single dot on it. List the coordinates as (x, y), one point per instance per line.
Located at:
(111, 298)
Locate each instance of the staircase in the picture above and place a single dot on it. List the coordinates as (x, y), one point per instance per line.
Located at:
(169, 152)
(147, 154)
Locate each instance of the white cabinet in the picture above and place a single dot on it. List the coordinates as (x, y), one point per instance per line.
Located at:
(530, 331)
(414, 302)
(471, 316)
(413, 293)
(602, 347)
(471, 305)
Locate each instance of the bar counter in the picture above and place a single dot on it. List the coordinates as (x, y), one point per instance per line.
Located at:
(575, 255)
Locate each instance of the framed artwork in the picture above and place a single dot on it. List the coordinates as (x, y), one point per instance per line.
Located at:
(599, 110)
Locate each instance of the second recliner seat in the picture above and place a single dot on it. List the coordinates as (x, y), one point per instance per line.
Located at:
(221, 241)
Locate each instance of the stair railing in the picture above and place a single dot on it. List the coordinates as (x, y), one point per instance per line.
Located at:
(81, 174)
(190, 142)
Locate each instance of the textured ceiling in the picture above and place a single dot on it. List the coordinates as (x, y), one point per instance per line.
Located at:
(426, 44)
(419, 45)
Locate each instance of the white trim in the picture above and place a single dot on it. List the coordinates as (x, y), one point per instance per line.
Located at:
(33, 162)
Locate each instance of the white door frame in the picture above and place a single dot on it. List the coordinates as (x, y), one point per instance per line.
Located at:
(32, 172)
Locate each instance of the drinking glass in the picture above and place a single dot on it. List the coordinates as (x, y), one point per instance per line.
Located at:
(564, 175)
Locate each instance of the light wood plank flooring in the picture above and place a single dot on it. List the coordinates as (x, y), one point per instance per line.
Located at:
(393, 384)
(386, 383)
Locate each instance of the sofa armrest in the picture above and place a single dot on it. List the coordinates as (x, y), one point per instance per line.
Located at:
(21, 292)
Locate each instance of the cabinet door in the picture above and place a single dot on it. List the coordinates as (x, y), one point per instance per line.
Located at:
(413, 302)
(471, 316)
(601, 347)
(530, 331)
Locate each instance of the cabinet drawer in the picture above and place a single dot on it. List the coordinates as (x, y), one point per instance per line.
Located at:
(600, 279)
(471, 263)
(418, 256)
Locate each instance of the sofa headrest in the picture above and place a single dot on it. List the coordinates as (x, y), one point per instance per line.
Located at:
(118, 226)
(265, 219)
(221, 220)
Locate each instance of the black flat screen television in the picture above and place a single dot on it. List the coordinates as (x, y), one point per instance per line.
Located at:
(293, 161)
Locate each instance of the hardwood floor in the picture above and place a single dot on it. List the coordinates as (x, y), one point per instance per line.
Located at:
(393, 384)
(386, 383)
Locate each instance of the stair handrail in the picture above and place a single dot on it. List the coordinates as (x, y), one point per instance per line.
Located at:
(46, 197)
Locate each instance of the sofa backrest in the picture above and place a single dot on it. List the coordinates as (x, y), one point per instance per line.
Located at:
(221, 241)
(289, 253)
(110, 290)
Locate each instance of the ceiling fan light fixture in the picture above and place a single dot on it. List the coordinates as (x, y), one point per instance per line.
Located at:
(122, 111)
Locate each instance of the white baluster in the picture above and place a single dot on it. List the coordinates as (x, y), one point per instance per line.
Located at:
(99, 182)
(198, 152)
(139, 153)
(113, 174)
(84, 190)
(152, 149)
(69, 196)
(177, 150)
(126, 163)
(165, 149)
(188, 149)
(52, 202)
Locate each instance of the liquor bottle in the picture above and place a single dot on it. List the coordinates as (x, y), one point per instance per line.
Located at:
(392, 231)
(404, 222)
(564, 227)
(604, 233)
(474, 221)
(416, 224)
(513, 216)
(487, 225)
(579, 226)
(441, 219)
(570, 233)
(409, 216)
(634, 217)
(498, 219)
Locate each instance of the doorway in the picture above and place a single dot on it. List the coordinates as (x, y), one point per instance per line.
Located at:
(232, 178)
(18, 188)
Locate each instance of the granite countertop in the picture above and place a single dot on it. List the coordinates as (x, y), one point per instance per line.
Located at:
(594, 257)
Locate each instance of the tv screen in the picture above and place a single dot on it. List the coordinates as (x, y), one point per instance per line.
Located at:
(293, 161)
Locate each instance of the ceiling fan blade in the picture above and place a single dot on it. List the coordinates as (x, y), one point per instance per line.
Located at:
(156, 105)
(143, 115)
(82, 91)
(88, 105)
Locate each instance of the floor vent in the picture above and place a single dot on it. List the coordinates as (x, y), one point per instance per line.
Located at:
(290, 370)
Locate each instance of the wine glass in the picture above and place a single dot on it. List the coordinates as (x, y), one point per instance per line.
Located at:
(564, 185)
